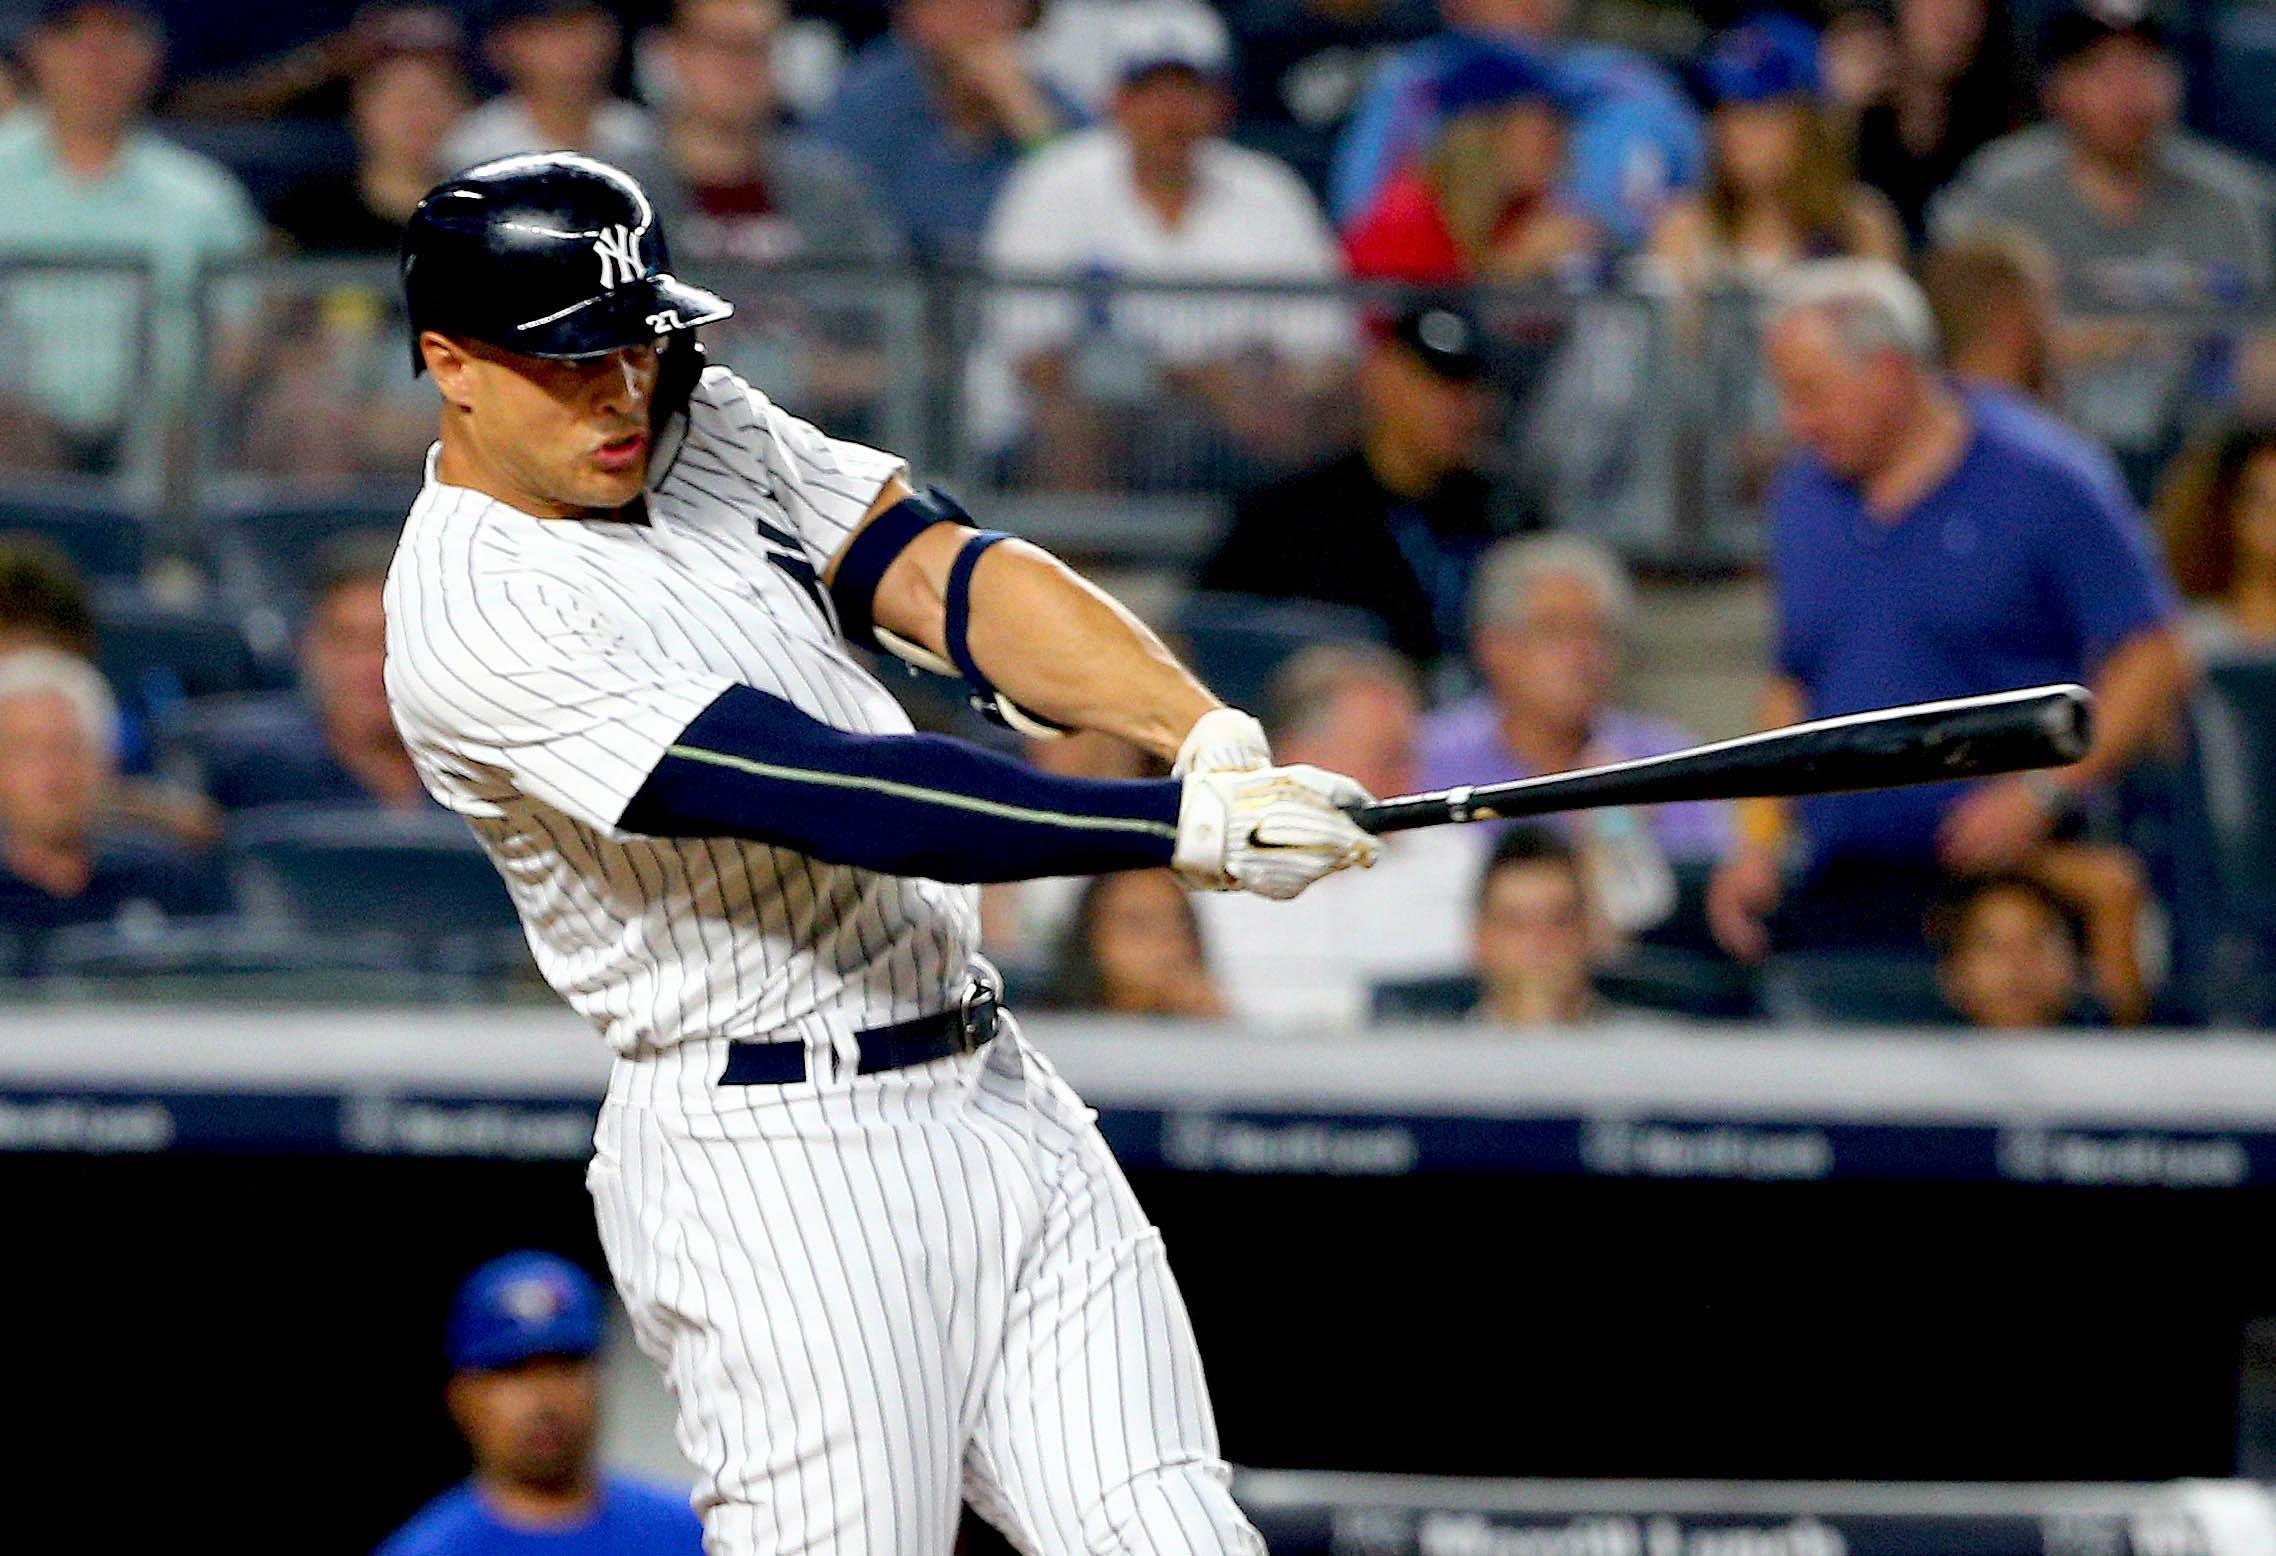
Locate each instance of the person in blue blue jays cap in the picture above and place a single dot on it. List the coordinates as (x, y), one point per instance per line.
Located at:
(1779, 187)
(525, 1393)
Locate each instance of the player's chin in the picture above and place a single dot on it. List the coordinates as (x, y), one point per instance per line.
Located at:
(613, 483)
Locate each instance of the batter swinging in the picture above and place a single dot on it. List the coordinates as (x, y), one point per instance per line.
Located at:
(877, 1245)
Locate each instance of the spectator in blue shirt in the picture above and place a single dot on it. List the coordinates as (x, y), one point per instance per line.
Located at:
(333, 742)
(939, 111)
(1931, 541)
(1634, 138)
(525, 1393)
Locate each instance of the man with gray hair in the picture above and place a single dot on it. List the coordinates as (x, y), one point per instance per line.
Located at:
(1929, 540)
(1317, 959)
(58, 727)
(1547, 616)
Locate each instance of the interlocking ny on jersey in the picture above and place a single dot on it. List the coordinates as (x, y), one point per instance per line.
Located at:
(546, 675)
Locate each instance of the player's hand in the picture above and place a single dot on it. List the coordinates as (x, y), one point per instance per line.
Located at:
(1223, 740)
(1273, 831)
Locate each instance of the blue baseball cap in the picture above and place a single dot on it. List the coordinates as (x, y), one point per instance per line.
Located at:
(1490, 75)
(521, 1305)
(1763, 59)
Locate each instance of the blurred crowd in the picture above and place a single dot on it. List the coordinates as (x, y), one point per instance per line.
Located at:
(2005, 412)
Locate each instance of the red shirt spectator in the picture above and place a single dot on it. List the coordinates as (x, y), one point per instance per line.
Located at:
(1482, 203)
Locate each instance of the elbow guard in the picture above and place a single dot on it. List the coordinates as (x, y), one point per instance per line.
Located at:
(862, 568)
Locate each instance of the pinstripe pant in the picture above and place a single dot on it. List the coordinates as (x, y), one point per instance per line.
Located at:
(879, 1297)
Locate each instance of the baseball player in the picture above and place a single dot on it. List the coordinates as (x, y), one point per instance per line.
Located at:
(877, 1245)
(525, 1393)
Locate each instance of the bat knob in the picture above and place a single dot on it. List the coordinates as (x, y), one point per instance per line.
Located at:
(2070, 721)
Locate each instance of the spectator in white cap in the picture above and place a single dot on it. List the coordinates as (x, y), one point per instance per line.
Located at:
(1074, 43)
(1158, 193)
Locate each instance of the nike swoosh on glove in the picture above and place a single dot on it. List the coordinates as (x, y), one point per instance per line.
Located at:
(1272, 831)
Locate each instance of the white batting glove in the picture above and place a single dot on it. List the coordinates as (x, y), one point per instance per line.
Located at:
(1273, 831)
(1223, 740)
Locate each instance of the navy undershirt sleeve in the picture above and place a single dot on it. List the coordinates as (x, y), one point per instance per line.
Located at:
(754, 766)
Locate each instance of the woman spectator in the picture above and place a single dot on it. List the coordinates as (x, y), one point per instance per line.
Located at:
(1482, 205)
(327, 393)
(401, 106)
(1924, 98)
(1778, 188)
(2217, 514)
(1134, 948)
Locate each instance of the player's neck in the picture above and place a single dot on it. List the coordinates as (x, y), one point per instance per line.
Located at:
(540, 1507)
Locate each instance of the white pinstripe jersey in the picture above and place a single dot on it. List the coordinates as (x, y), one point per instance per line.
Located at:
(538, 669)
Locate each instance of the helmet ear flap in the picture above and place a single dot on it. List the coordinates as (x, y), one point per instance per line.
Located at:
(679, 366)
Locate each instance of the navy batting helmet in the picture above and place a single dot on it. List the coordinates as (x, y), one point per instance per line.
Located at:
(549, 255)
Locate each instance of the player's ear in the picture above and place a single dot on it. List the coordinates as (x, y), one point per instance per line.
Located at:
(448, 363)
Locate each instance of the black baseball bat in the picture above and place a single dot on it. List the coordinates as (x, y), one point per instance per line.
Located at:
(1885, 748)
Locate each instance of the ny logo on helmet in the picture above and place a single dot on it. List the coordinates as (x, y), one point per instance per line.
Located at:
(619, 253)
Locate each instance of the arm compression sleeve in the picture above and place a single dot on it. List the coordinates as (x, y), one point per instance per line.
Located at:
(753, 766)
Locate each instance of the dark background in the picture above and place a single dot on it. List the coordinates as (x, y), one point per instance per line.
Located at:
(249, 1346)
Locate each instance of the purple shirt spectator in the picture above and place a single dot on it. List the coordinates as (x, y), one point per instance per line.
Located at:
(1462, 743)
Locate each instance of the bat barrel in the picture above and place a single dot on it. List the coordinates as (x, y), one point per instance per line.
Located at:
(1933, 742)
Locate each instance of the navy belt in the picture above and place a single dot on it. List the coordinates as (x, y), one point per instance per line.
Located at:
(917, 1041)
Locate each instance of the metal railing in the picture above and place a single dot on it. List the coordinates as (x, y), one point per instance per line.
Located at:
(1643, 419)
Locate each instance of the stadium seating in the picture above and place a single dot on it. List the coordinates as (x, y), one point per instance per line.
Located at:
(158, 656)
(420, 874)
(1237, 641)
(104, 539)
(264, 548)
(2235, 714)
(1850, 988)
(237, 961)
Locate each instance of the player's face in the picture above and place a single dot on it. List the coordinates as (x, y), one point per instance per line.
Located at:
(531, 1425)
(552, 438)
(52, 775)
(1845, 411)
(2012, 964)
